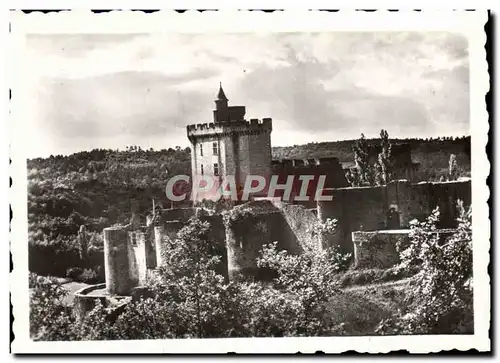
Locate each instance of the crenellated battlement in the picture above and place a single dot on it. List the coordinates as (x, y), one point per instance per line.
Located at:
(305, 163)
(229, 127)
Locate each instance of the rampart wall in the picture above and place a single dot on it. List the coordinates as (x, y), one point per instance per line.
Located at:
(330, 168)
(367, 208)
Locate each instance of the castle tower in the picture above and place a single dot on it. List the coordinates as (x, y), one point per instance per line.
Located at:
(230, 146)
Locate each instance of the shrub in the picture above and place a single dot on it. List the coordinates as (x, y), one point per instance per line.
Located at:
(441, 302)
(32, 278)
(89, 276)
(49, 318)
(74, 272)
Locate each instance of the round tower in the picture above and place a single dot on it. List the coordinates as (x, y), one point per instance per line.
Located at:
(116, 261)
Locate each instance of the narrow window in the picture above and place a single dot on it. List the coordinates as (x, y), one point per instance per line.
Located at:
(201, 169)
(201, 149)
(216, 169)
(215, 148)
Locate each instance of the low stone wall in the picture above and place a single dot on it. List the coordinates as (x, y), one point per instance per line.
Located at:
(379, 249)
(83, 303)
(86, 299)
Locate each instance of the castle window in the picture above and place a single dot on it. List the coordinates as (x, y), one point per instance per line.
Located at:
(216, 169)
(215, 147)
(201, 150)
(201, 168)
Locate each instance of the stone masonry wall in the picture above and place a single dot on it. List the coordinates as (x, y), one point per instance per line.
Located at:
(294, 227)
(244, 240)
(379, 249)
(354, 209)
(261, 223)
(366, 208)
(116, 261)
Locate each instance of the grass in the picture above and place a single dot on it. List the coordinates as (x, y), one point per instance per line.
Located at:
(372, 276)
(368, 297)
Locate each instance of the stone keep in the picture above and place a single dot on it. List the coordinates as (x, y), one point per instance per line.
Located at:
(231, 145)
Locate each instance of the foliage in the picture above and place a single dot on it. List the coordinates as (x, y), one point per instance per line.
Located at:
(305, 283)
(375, 275)
(52, 320)
(91, 276)
(365, 170)
(94, 189)
(368, 170)
(354, 178)
(74, 272)
(453, 168)
(49, 318)
(187, 298)
(384, 162)
(219, 206)
(442, 297)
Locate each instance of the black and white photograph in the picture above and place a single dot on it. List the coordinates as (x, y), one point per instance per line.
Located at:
(246, 182)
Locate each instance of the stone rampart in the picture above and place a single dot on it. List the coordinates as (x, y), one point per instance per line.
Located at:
(391, 207)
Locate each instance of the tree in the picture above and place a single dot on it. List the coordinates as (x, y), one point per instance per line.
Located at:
(367, 173)
(354, 178)
(361, 158)
(384, 165)
(189, 297)
(305, 282)
(441, 300)
(453, 168)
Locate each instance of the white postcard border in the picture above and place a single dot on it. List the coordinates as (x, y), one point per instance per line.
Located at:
(468, 23)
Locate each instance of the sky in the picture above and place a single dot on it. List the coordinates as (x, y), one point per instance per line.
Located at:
(110, 91)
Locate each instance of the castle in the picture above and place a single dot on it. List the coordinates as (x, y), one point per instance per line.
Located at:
(371, 220)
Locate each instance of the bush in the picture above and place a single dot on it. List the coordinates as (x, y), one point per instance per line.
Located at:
(376, 275)
(74, 272)
(441, 302)
(49, 318)
(89, 276)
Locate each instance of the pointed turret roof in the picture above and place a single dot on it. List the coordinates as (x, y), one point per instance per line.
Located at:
(221, 96)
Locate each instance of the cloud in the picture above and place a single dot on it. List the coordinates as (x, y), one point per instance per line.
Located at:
(144, 88)
(76, 45)
(126, 103)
